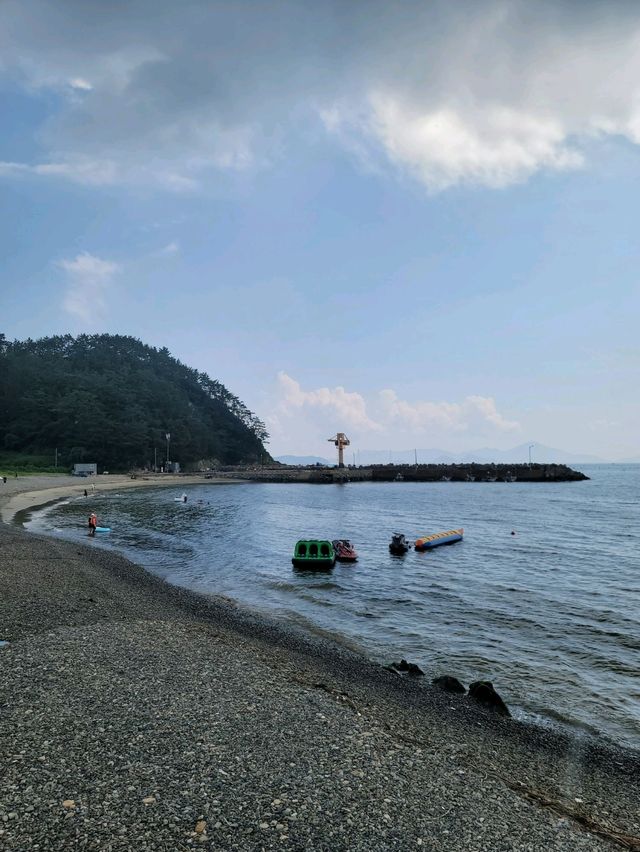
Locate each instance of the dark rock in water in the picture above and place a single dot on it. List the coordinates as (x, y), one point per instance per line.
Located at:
(409, 668)
(483, 692)
(448, 684)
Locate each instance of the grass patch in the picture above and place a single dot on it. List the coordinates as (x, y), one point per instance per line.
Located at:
(25, 464)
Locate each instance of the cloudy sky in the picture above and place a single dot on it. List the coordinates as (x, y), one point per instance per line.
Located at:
(414, 222)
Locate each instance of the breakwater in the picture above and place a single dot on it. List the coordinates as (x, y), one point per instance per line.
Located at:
(406, 473)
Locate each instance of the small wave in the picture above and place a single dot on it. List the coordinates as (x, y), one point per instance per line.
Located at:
(282, 585)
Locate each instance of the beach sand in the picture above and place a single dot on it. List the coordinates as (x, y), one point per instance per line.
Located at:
(137, 715)
(23, 493)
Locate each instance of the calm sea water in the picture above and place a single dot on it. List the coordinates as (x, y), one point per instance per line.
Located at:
(550, 615)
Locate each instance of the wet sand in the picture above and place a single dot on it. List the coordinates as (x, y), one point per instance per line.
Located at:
(137, 715)
(23, 493)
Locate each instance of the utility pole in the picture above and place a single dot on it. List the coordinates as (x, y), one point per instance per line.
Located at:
(155, 459)
(530, 446)
(56, 458)
(168, 437)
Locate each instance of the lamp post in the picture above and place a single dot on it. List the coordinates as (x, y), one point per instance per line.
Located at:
(168, 437)
(530, 446)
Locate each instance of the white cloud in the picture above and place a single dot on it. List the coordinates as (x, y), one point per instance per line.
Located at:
(103, 173)
(82, 170)
(300, 418)
(347, 407)
(473, 413)
(80, 83)
(171, 248)
(487, 92)
(496, 146)
(88, 282)
(12, 169)
(506, 90)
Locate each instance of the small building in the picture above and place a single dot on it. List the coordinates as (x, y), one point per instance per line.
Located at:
(173, 467)
(89, 469)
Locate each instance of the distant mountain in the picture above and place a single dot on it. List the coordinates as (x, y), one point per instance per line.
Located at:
(485, 455)
(539, 453)
(304, 460)
(432, 456)
(517, 455)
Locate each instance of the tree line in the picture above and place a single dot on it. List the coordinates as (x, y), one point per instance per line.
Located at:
(112, 399)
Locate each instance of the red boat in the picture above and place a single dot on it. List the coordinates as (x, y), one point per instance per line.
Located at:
(345, 551)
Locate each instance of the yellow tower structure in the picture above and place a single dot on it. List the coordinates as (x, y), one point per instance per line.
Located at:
(341, 441)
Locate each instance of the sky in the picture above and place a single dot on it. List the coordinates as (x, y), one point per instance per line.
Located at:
(417, 223)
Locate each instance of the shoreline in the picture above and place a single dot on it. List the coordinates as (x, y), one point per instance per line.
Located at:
(19, 506)
(434, 747)
(14, 499)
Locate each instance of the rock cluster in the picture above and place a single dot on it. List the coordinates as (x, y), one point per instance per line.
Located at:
(408, 668)
(481, 691)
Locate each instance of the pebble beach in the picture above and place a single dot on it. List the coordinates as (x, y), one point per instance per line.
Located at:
(138, 715)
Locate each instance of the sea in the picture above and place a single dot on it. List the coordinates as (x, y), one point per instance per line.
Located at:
(542, 597)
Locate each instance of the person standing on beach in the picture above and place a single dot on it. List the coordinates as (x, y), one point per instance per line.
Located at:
(93, 523)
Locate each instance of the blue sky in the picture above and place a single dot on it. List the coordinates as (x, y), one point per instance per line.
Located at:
(417, 222)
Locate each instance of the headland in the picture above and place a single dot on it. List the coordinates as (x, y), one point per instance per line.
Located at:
(137, 715)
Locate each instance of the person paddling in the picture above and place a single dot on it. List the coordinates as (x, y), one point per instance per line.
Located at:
(93, 523)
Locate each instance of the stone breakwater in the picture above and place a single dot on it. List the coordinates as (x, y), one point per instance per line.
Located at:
(468, 473)
(136, 715)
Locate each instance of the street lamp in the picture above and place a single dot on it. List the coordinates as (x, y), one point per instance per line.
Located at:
(530, 446)
(168, 437)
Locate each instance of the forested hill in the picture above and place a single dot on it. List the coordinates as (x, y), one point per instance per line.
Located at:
(111, 399)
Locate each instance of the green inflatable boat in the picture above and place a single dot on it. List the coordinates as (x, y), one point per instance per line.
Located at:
(314, 553)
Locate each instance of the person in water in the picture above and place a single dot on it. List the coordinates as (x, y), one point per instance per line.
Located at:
(93, 523)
